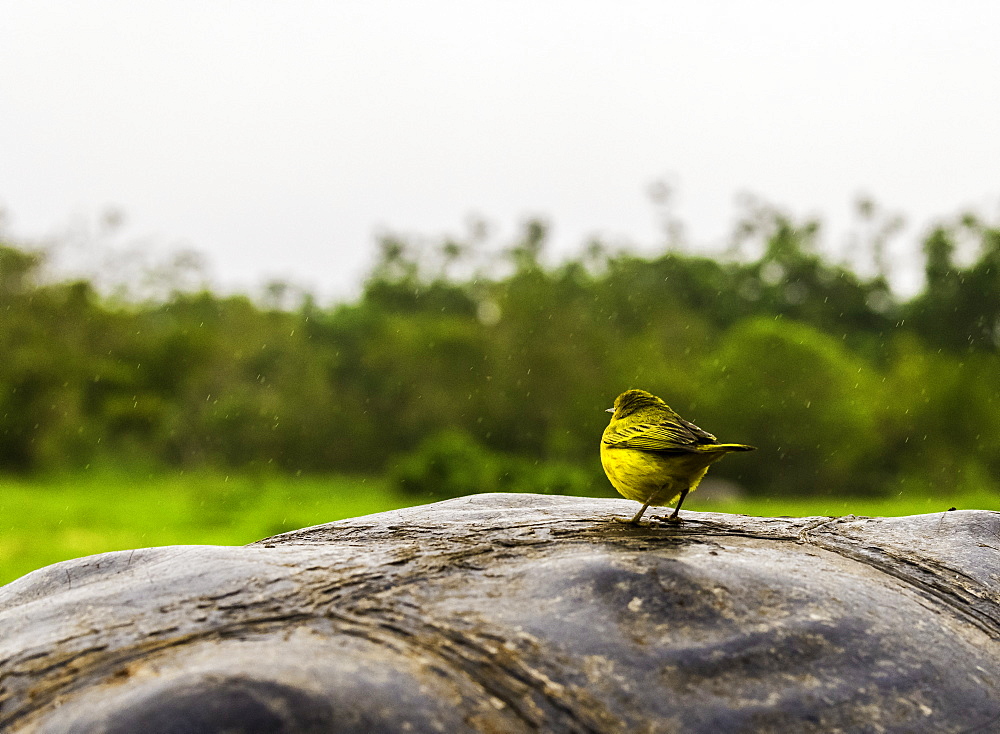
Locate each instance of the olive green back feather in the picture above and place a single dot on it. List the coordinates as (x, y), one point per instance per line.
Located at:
(644, 422)
(662, 433)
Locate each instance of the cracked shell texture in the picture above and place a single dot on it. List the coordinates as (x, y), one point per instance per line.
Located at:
(509, 613)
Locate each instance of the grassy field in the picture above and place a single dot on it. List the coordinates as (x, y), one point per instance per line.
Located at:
(45, 521)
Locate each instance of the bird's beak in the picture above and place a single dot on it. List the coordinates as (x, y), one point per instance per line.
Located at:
(610, 410)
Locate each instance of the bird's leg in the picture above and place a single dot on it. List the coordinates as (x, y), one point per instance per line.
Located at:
(677, 508)
(635, 520)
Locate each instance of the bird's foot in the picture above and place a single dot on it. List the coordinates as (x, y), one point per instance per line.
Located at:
(633, 522)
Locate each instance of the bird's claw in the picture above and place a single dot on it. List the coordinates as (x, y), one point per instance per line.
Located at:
(633, 522)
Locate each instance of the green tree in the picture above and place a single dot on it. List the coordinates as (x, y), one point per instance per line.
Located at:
(960, 307)
(803, 399)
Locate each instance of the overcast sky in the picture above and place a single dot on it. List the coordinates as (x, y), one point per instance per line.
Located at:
(279, 138)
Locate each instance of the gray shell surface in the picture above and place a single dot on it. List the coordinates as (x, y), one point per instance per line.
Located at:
(518, 613)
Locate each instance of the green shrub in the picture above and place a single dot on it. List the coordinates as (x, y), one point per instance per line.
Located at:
(799, 396)
(451, 463)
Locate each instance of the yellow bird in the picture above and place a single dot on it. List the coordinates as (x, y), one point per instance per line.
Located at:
(652, 455)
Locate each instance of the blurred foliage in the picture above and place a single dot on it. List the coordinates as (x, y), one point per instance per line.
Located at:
(458, 370)
(453, 464)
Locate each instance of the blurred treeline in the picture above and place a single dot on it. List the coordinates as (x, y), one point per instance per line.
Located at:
(455, 371)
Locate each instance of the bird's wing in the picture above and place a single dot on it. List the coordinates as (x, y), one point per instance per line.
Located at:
(701, 435)
(668, 435)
